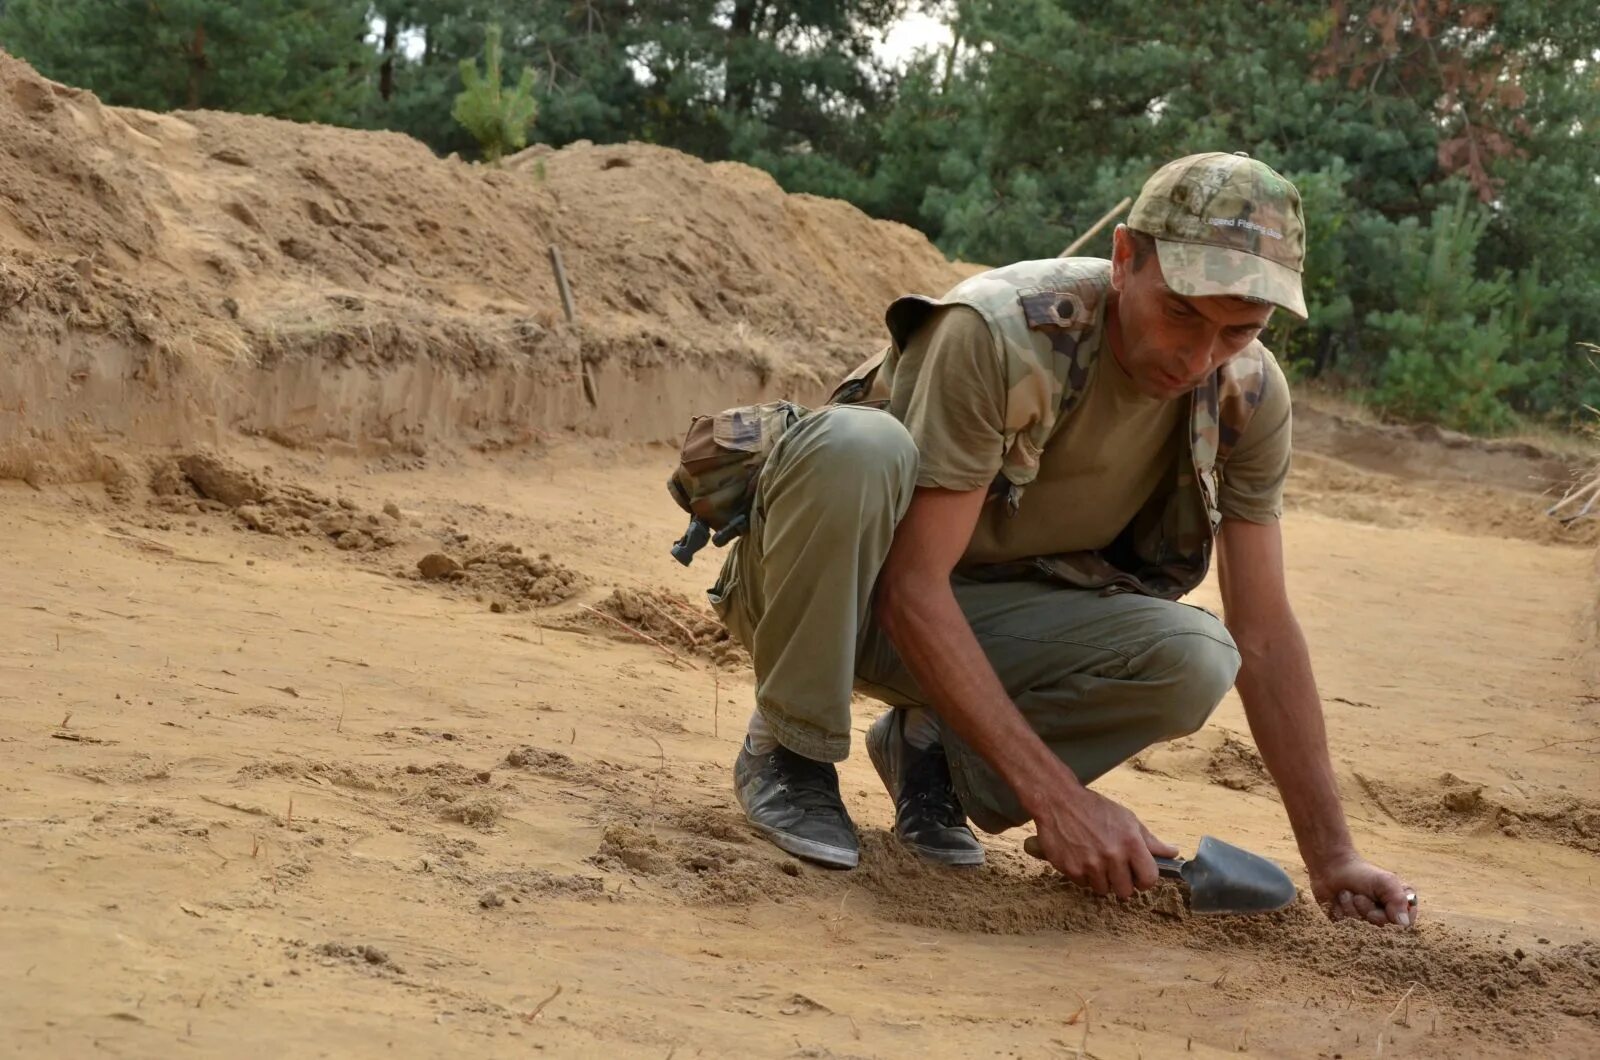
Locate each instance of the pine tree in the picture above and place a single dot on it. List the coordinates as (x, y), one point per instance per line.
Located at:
(497, 117)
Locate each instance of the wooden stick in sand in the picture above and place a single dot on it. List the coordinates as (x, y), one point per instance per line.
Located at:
(560, 270)
(1588, 492)
(1076, 244)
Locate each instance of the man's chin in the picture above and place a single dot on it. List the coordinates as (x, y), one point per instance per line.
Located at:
(1168, 387)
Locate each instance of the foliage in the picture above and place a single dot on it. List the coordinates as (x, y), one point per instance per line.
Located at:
(498, 118)
(303, 59)
(788, 86)
(1380, 110)
(1446, 343)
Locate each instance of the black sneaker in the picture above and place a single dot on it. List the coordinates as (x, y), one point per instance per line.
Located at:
(794, 801)
(928, 816)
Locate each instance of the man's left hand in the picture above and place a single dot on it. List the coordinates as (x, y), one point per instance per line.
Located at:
(1353, 887)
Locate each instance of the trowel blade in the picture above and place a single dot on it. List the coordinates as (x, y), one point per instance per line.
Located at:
(1225, 880)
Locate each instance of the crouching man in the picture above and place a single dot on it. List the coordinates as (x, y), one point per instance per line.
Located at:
(990, 529)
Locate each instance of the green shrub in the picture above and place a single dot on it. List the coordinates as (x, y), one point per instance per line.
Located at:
(1448, 344)
(497, 117)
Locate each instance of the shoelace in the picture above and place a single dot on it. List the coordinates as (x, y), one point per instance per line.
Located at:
(935, 793)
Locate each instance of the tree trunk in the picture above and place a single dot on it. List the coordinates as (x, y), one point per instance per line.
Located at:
(391, 37)
(950, 63)
(739, 92)
(197, 66)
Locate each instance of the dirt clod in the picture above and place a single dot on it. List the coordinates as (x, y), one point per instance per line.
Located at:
(364, 954)
(219, 481)
(1236, 764)
(437, 565)
(254, 518)
(353, 540)
(670, 619)
(520, 582)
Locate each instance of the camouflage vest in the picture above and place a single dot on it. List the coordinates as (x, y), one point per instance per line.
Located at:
(1042, 316)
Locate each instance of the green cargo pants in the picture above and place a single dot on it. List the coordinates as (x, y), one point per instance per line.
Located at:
(1099, 678)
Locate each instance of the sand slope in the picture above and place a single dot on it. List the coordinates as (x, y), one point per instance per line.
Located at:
(171, 278)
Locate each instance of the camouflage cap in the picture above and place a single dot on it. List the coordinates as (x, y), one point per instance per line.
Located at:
(1226, 224)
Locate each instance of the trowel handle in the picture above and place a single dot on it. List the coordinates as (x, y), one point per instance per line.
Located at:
(1171, 868)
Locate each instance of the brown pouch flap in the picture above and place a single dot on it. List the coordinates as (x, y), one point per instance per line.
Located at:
(1048, 308)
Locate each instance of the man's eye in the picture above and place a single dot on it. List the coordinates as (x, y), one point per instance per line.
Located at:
(1245, 331)
(1179, 310)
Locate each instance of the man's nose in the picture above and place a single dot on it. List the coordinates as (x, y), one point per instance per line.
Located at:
(1199, 356)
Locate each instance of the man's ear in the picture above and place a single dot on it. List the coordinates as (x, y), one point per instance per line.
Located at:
(1121, 257)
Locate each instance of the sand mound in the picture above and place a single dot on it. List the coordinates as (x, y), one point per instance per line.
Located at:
(651, 231)
(176, 276)
(501, 575)
(1449, 803)
(701, 868)
(180, 276)
(1237, 765)
(1425, 450)
(208, 491)
(1214, 755)
(203, 483)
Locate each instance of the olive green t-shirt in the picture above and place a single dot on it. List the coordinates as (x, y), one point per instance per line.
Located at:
(1099, 467)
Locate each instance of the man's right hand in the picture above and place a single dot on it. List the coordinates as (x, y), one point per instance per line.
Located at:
(1090, 839)
(1098, 844)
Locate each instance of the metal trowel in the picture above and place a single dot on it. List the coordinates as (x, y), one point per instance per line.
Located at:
(1222, 879)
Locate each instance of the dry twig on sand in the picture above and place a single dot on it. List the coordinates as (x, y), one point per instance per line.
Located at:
(655, 793)
(1083, 1014)
(694, 641)
(1405, 1020)
(539, 1008)
(1588, 491)
(696, 613)
(647, 638)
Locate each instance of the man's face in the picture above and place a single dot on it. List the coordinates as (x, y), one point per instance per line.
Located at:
(1170, 344)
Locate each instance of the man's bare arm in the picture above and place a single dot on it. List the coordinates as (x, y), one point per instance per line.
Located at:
(1089, 838)
(1285, 713)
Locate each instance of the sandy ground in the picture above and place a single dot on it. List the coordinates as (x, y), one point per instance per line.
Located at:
(270, 798)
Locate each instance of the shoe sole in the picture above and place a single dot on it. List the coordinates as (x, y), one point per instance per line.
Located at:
(953, 858)
(961, 859)
(829, 857)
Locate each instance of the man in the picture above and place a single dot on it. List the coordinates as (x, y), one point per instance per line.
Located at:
(999, 557)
